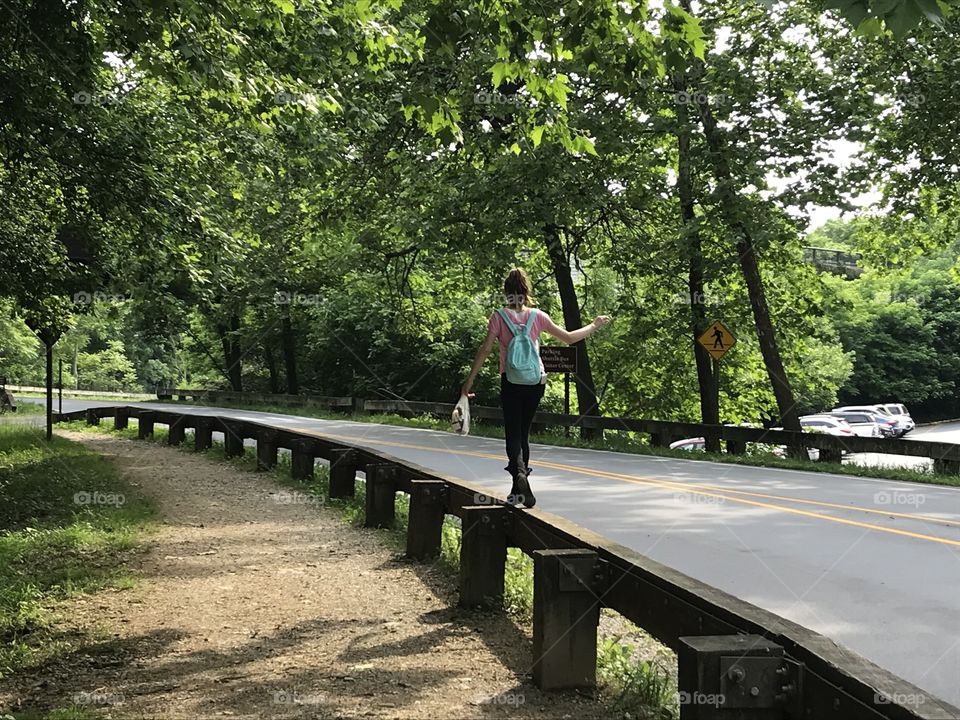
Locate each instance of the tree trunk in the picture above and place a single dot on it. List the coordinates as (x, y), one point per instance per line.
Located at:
(73, 367)
(231, 353)
(746, 251)
(289, 352)
(587, 402)
(271, 364)
(691, 242)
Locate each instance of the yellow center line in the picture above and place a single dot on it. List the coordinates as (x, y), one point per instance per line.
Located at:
(704, 490)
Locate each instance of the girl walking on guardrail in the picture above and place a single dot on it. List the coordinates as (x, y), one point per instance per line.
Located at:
(517, 327)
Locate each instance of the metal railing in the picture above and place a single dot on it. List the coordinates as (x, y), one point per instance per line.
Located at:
(735, 659)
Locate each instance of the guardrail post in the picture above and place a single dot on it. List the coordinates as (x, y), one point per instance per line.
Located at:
(832, 455)
(176, 430)
(232, 439)
(946, 467)
(343, 473)
(92, 417)
(566, 614)
(381, 494)
(483, 555)
(736, 447)
(726, 677)
(660, 439)
(301, 459)
(121, 419)
(266, 449)
(145, 420)
(203, 434)
(428, 502)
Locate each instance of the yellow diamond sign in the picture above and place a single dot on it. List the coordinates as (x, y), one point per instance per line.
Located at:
(717, 339)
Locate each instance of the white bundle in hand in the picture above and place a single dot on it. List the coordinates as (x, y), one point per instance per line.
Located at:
(460, 420)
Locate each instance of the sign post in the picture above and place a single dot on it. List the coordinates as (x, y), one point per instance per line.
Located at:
(717, 341)
(561, 359)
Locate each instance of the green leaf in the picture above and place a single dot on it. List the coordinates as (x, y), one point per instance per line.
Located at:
(536, 135)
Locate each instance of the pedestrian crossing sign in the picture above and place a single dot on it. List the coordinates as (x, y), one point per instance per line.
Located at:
(717, 339)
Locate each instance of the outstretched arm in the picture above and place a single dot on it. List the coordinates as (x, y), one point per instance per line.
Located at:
(574, 336)
(485, 347)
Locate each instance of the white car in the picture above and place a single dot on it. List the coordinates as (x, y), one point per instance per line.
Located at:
(896, 425)
(863, 424)
(827, 424)
(899, 413)
(689, 444)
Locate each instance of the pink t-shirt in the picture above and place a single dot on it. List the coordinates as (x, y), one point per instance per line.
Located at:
(499, 328)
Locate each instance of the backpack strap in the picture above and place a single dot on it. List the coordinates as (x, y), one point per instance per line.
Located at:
(514, 327)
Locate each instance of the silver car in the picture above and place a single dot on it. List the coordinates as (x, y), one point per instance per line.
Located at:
(899, 425)
(863, 424)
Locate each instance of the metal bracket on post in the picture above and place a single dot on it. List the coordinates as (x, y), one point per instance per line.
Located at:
(722, 677)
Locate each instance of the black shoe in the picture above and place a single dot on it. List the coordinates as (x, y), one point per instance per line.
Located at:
(523, 492)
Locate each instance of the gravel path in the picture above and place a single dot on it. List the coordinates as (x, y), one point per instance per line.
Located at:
(249, 606)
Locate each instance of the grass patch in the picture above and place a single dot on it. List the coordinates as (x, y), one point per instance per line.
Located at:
(613, 440)
(68, 522)
(635, 688)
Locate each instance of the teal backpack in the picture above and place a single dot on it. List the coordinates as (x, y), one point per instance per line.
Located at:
(523, 360)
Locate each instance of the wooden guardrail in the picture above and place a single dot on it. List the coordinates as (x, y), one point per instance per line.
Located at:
(736, 660)
(945, 456)
(252, 397)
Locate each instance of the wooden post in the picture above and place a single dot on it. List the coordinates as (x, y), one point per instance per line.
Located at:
(176, 430)
(121, 418)
(266, 449)
(343, 473)
(381, 493)
(92, 417)
(483, 555)
(946, 467)
(203, 434)
(302, 456)
(736, 447)
(145, 419)
(832, 455)
(232, 438)
(428, 502)
(566, 614)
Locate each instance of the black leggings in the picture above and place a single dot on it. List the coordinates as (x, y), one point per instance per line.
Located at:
(519, 406)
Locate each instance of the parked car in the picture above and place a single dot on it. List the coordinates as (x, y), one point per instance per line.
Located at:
(689, 444)
(899, 413)
(890, 425)
(864, 424)
(827, 424)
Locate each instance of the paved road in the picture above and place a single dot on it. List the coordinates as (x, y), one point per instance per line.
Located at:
(873, 564)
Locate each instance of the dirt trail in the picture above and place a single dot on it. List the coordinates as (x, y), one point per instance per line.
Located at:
(249, 605)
